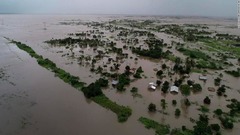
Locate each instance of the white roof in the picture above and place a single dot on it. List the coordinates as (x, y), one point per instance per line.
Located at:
(152, 85)
(115, 82)
(174, 89)
(202, 77)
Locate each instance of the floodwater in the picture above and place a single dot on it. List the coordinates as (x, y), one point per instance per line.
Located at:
(34, 101)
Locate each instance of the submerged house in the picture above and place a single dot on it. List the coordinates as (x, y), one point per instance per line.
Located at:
(174, 89)
(204, 78)
(152, 86)
(114, 82)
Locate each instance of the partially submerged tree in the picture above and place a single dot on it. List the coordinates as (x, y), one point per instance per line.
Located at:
(152, 107)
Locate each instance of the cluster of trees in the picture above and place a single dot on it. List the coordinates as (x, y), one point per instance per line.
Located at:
(80, 41)
(221, 90)
(152, 107)
(165, 87)
(154, 49)
(94, 89)
(235, 73)
(177, 112)
(202, 126)
(123, 80)
(217, 81)
(138, 73)
(153, 53)
(207, 100)
(186, 89)
(186, 34)
(184, 69)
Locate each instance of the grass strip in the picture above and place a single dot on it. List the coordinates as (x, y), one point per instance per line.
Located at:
(160, 129)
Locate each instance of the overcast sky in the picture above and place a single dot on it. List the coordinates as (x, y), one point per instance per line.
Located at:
(219, 8)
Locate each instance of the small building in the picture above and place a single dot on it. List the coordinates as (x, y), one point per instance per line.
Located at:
(114, 82)
(152, 86)
(204, 78)
(174, 89)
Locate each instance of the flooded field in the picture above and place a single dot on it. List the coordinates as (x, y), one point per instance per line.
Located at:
(34, 101)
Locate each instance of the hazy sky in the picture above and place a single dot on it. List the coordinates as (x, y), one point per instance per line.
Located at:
(225, 8)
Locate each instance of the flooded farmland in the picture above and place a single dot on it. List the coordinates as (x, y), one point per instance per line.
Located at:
(33, 100)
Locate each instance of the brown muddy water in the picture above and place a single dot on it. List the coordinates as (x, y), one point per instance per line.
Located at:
(33, 101)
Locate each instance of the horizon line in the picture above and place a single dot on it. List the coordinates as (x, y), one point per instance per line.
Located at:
(144, 15)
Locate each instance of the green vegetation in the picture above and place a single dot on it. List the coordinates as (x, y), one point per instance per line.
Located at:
(217, 81)
(234, 73)
(163, 104)
(221, 90)
(165, 87)
(207, 100)
(80, 41)
(218, 112)
(122, 112)
(194, 53)
(134, 90)
(187, 102)
(203, 60)
(185, 89)
(203, 109)
(215, 127)
(123, 80)
(92, 91)
(222, 45)
(160, 129)
(135, 93)
(152, 107)
(202, 127)
(138, 73)
(174, 102)
(177, 112)
(159, 73)
(196, 88)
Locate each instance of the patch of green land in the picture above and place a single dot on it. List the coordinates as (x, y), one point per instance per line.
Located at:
(160, 129)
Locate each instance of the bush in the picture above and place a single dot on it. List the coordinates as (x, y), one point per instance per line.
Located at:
(218, 112)
(217, 81)
(164, 66)
(92, 90)
(159, 73)
(207, 100)
(185, 89)
(152, 107)
(221, 90)
(187, 102)
(215, 127)
(190, 82)
(102, 82)
(174, 102)
(137, 75)
(196, 87)
(134, 90)
(165, 87)
(226, 123)
(177, 112)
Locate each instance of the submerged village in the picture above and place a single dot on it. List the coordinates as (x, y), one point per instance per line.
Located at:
(173, 78)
